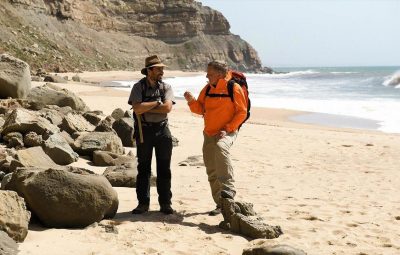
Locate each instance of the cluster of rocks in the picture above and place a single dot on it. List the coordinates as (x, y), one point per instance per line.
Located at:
(42, 131)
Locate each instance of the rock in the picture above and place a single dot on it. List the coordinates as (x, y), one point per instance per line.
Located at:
(105, 125)
(58, 149)
(124, 175)
(87, 143)
(92, 117)
(175, 141)
(5, 166)
(192, 161)
(6, 179)
(31, 139)
(14, 140)
(67, 137)
(238, 218)
(73, 122)
(2, 121)
(117, 114)
(125, 130)
(10, 104)
(50, 94)
(63, 199)
(23, 121)
(55, 79)
(106, 158)
(55, 116)
(128, 114)
(15, 217)
(76, 78)
(15, 77)
(7, 245)
(34, 156)
(266, 249)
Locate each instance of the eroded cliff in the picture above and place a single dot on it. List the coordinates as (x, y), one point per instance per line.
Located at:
(68, 35)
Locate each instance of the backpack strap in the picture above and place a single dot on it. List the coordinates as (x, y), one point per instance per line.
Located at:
(217, 95)
(231, 84)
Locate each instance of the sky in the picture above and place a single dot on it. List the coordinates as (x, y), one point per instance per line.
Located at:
(312, 33)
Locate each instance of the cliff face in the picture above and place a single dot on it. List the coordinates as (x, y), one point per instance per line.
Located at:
(119, 34)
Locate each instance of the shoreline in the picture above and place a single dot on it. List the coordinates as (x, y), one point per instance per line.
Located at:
(121, 80)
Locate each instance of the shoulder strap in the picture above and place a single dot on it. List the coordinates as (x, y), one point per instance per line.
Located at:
(208, 94)
(231, 84)
(143, 87)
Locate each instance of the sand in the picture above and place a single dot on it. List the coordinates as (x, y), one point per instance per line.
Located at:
(332, 190)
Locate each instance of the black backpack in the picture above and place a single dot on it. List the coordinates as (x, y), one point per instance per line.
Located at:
(239, 78)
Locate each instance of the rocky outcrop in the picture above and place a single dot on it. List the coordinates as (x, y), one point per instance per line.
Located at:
(119, 34)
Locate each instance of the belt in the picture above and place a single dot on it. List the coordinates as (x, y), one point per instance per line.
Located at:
(154, 124)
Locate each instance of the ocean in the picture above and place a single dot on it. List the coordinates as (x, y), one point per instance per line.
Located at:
(354, 97)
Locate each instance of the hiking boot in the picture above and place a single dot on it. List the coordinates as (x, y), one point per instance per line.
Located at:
(166, 209)
(141, 208)
(215, 212)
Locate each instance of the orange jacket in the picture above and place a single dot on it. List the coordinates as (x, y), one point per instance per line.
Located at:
(220, 113)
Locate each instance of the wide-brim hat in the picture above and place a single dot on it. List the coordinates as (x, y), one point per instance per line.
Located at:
(151, 62)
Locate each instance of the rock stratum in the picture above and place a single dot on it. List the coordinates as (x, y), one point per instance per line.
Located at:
(100, 35)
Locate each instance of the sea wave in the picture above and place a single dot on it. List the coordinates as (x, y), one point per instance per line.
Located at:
(393, 80)
(343, 72)
(285, 75)
(117, 84)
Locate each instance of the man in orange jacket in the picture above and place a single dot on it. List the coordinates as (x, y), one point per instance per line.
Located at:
(222, 118)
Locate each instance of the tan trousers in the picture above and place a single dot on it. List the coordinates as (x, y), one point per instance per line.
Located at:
(218, 164)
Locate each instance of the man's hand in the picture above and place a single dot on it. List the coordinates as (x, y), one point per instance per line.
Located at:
(221, 134)
(188, 96)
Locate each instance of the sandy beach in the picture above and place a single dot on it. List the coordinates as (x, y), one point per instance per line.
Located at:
(332, 190)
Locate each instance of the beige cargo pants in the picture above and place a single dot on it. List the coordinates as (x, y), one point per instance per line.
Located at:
(218, 164)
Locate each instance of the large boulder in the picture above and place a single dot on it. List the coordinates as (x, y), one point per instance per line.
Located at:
(125, 130)
(50, 94)
(63, 199)
(14, 217)
(58, 149)
(23, 121)
(15, 77)
(87, 143)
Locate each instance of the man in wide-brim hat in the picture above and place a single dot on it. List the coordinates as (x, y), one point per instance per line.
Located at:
(152, 100)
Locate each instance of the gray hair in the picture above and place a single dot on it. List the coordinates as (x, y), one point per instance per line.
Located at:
(219, 66)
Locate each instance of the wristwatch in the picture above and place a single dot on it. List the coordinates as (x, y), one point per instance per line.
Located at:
(159, 102)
